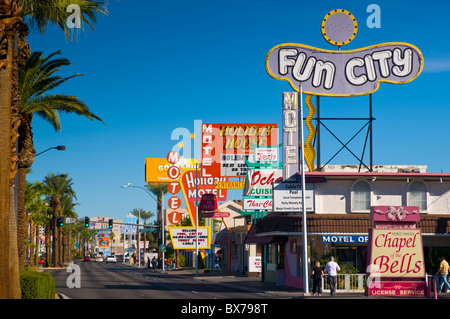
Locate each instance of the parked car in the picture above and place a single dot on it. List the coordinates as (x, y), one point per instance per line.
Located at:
(110, 259)
(87, 258)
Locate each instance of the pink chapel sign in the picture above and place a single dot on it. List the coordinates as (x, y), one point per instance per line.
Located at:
(396, 261)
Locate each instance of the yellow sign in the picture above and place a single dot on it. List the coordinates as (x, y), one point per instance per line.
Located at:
(156, 169)
(230, 184)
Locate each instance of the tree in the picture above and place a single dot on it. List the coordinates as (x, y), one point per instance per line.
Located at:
(146, 216)
(67, 211)
(37, 215)
(159, 190)
(14, 51)
(36, 78)
(58, 187)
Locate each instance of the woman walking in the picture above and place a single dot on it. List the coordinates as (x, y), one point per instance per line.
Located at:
(317, 274)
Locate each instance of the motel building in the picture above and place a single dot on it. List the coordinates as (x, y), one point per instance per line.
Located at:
(338, 219)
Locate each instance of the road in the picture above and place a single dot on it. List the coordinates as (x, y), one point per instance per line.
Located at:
(99, 280)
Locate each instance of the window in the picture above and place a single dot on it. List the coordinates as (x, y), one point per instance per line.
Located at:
(418, 195)
(361, 196)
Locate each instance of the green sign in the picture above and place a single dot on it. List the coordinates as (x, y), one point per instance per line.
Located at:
(147, 230)
(163, 248)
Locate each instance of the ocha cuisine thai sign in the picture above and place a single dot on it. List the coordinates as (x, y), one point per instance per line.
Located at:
(344, 73)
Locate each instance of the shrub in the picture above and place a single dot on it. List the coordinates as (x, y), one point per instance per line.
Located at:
(37, 285)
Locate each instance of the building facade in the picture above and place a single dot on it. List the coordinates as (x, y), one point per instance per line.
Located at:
(339, 222)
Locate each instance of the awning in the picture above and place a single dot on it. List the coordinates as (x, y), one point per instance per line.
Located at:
(285, 225)
(252, 238)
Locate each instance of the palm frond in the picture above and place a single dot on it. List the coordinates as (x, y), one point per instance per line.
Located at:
(41, 13)
(36, 78)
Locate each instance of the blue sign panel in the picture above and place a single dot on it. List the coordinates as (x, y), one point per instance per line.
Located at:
(345, 239)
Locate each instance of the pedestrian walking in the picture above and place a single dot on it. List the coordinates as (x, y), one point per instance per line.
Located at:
(154, 263)
(442, 274)
(317, 274)
(148, 262)
(167, 262)
(332, 268)
(173, 263)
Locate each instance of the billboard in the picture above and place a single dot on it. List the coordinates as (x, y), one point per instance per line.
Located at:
(156, 169)
(226, 147)
(344, 73)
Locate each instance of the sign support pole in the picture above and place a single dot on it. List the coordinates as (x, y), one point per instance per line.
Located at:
(304, 231)
(196, 220)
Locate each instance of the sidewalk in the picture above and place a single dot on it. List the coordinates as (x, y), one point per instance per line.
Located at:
(256, 285)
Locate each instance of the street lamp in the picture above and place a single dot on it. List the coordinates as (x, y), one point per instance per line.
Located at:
(162, 226)
(59, 148)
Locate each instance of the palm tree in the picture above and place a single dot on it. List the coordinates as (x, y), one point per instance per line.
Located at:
(58, 187)
(36, 209)
(146, 216)
(14, 50)
(68, 211)
(137, 212)
(36, 78)
(159, 190)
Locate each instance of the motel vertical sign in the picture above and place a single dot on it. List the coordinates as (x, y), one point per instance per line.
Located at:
(290, 120)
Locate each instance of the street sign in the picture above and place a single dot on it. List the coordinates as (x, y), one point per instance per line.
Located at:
(162, 248)
(147, 230)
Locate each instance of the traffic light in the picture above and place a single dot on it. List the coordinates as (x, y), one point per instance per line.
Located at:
(110, 224)
(60, 221)
(86, 221)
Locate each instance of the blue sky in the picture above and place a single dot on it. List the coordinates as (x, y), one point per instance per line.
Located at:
(152, 68)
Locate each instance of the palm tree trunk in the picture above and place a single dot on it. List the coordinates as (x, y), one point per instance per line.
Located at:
(9, 274)
(47, 244)
(21, 217)
(32, 245)
(5, 164)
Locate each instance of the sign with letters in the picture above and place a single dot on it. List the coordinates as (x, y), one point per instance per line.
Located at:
(344, 73)
(184, 237)
(287, 197)
(396, 260)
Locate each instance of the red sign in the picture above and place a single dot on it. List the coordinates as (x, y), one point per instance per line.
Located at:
(398, 289)
(174, 202)
(396, 260)
(174, 217)
(226, 147)
(208, 203)
(215, 215)
(173, 157)
(173, 188)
